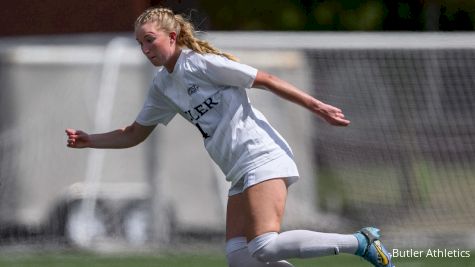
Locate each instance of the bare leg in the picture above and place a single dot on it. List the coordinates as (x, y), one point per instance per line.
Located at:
(237, 252)
(264, 204)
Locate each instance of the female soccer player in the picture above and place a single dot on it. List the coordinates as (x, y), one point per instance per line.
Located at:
(208, 88)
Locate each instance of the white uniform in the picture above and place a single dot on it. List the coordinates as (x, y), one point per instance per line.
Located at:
(209, 91)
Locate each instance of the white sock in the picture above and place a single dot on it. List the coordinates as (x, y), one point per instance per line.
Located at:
(272, 246)
(238, 255)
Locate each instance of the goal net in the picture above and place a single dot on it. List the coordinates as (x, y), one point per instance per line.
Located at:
(405, 163)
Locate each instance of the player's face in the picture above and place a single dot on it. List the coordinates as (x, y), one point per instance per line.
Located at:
(157, 45)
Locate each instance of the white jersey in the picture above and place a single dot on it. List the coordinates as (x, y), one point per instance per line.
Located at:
(209, 91)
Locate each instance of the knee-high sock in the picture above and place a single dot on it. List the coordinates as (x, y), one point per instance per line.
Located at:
(238, 255)
(271, 247)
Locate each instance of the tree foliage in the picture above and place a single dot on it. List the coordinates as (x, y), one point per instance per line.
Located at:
(335, 15)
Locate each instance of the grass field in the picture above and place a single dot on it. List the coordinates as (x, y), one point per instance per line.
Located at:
(203, 260)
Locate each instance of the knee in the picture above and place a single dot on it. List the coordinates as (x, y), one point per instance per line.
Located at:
(262, 249)
(266, 254)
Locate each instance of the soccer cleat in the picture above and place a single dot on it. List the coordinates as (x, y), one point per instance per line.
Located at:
(371, 248)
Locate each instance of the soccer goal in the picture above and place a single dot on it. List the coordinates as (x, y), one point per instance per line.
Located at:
(405, 164)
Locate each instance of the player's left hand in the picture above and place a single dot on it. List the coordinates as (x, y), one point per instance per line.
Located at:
(332, 115)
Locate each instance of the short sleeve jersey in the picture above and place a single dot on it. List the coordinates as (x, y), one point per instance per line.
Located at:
(209, 91)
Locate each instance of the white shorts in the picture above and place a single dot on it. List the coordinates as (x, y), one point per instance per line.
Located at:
(281, 167)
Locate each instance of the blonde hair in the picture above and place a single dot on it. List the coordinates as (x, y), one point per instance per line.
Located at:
(168, 21)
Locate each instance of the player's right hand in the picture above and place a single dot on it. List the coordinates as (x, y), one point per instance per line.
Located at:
(77, 138)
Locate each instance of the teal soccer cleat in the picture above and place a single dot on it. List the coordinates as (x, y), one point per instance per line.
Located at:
(371, 248)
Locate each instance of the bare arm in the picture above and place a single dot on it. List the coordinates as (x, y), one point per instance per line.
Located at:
(287, 91)
(129, 136)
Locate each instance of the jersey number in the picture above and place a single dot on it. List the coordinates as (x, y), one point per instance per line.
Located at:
(205, 135)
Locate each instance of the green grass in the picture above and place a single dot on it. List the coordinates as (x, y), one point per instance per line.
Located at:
(191, 260)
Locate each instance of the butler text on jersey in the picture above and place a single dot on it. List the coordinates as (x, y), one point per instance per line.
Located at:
(196, 112)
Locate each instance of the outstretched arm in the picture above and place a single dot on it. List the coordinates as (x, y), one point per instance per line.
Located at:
(121, 138)
(331, 114)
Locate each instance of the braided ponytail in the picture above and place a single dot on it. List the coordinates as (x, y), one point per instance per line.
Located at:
(168, 21)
